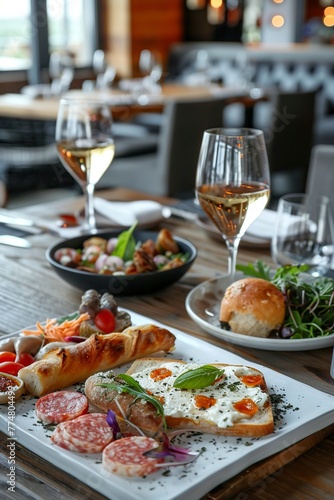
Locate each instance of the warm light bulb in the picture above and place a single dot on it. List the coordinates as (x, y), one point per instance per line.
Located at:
(216, 4)
(329, 11)
(328, 21)
(277, 21)
(278, 1)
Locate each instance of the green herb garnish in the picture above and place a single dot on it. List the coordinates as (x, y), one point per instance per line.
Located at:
(198, 378)
(309, 302)
(257, 270)
(131, 386)
(126, 244)
(69, 317)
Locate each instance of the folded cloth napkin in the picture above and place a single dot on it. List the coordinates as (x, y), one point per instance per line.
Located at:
(145, 212)
(263, 227)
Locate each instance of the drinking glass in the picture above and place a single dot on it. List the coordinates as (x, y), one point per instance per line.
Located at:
(85, 146)
(150, 66)
(232, 182)
(304, 233)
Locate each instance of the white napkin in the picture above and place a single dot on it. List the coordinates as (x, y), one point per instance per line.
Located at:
(263, 227)
(126, 213)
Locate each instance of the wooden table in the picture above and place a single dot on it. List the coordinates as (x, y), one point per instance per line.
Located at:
(30, 291)
(123, 105)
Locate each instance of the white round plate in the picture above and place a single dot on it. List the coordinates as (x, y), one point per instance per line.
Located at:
(203, 305)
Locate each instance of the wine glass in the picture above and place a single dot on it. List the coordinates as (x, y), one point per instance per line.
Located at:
(150, 66)
(304, 233)
(232, 182)
(61, 72)
(85, 146)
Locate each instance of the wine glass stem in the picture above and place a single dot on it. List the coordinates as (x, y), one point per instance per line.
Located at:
(232, 247)
(90, 222)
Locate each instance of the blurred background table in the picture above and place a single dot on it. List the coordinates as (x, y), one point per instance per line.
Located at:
(25, 106)
(30, 291)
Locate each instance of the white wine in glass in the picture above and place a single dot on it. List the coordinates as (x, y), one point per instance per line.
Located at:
(85, 146)
(232, 182)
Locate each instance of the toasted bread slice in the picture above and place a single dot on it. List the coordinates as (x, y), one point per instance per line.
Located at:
(215, 409)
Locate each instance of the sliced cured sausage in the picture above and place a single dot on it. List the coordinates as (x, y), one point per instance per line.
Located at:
(89, 432)
(61, 406)
(125, 456)
(58, 439)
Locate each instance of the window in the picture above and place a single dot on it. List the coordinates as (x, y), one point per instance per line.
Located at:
(15, 34)
(69, 25)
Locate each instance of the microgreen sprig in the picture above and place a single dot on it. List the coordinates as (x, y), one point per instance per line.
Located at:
(131, 386)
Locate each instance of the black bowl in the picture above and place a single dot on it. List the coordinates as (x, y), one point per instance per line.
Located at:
(120, 284)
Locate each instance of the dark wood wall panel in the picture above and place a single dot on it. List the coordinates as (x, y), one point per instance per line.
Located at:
(129, 26)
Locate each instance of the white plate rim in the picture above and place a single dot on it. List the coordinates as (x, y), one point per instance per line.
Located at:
(267, 344)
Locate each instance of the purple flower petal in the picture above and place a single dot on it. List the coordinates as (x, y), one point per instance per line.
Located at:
(112, 422)
(167, 450)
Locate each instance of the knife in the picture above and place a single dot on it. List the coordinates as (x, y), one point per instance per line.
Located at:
(17, 221)
(14, 241)
(6, 217)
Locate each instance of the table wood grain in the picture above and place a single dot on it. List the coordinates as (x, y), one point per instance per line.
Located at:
(31, 291)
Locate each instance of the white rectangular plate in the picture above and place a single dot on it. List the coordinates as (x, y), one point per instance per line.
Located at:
(304, 410)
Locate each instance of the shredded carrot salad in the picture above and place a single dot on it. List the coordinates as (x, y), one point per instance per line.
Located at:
(55, 332)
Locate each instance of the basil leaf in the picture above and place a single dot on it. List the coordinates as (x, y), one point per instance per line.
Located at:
(126, 244)
(198, 378)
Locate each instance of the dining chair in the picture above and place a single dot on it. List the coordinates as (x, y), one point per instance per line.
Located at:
(289, 138)
(320, 178)
(28, 155)
(171, 170)
(29, 164)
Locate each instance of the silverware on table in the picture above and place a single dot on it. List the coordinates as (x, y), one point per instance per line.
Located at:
(6, 217)
(14, 241)
(17, 221)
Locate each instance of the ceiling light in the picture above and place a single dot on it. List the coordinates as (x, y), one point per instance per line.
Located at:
(277, 21)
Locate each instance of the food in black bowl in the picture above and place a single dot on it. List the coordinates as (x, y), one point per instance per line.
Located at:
(128, 263)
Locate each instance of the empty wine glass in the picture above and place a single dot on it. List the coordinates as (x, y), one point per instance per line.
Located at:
(61, 72)
(304, 233)
(232, 182)
(150, 66)
(85, 146)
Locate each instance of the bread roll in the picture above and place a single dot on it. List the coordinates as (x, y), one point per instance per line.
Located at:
(253, 306)
(65, 366)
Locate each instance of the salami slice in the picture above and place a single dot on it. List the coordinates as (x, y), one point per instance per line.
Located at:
(89, 432)
(61, 406)
(58, 439)
(125, 456)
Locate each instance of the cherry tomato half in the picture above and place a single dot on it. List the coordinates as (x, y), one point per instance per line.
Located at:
(105, 321)
(10, 367)
(7, 356)
(25, 359)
